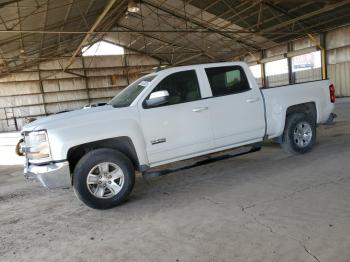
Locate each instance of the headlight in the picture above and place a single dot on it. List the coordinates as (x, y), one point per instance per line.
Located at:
(37, 146)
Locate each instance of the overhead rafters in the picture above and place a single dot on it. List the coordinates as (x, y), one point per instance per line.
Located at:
(92, 29)
(176, 31)
(202, 24)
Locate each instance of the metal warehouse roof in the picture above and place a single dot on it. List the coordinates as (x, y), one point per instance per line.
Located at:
(173, 31)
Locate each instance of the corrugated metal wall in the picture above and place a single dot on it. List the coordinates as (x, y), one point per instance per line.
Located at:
(308, 75)
(339, 74)
(46, 89)
(338, 59)
(277, 80)
(300, 77)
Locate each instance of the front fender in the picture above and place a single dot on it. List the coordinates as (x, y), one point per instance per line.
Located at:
(63, 138)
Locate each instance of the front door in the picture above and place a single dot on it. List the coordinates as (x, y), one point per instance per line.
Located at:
(181, 127)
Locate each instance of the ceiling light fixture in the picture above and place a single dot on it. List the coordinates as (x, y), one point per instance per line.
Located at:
(133, 6)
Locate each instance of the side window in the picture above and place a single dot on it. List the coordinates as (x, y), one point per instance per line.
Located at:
(182, 87)
(227, 80)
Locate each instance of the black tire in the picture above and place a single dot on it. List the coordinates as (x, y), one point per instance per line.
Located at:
(288, 143)
(18, 147)
(93, 158)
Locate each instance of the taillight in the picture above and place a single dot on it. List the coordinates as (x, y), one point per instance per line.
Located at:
(332, 93)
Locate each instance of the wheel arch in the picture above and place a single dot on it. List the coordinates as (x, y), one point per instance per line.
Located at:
(308, 108)
(123, 144)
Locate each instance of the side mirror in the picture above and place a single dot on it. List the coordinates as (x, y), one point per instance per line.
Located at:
(158, 98)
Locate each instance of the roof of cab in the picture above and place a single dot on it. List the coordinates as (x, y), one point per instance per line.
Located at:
(189, 67)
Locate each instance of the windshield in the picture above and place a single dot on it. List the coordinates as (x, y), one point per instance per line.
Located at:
(129, 94)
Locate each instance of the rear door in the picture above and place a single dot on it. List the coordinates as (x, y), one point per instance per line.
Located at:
(236, 109)
(181, 127)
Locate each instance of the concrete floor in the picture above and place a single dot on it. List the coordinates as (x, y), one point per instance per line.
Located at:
(266, 206)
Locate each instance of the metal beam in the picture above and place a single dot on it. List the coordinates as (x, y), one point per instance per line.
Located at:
(323, 55)
(44, 27)
(186, 59)
(131, 30)
(268, 20)
(197, 23)
(191, 42)
(9, 2)
(191, 30)
(69, 8)
(319, 27)
(20, 26)
(92, 29)
(326, 8)
(42, 92)
(284, 12)
(56, 57)
(40, 31)
(138, 51)
(146, 33)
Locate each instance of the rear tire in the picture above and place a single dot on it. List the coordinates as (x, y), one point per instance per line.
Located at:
(299, 134)
(103, 178)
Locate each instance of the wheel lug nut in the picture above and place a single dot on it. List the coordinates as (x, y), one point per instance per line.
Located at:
(109, 182)
(99, 182)
(100, 176)
(104, 185)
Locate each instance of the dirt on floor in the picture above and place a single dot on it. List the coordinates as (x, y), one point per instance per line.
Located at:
(265, 206)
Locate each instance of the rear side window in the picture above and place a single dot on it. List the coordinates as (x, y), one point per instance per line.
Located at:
(182, 87)
(227, 80)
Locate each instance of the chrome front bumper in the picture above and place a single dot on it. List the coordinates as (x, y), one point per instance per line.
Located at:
(52, 175)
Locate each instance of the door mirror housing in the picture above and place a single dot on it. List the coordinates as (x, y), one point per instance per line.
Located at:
(157, 98)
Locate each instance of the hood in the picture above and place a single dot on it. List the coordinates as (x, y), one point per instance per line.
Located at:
(67, 118)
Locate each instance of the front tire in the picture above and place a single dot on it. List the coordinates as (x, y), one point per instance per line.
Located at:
(299, 134)
(18, 148)
(103, 178)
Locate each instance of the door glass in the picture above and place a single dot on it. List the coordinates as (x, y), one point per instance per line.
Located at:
(227, 80)
(182, 87)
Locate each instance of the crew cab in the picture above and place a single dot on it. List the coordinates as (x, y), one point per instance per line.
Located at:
(164, 117)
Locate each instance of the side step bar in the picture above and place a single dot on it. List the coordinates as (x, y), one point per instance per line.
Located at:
(233, 153)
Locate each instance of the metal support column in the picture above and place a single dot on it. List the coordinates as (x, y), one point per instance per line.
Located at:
(291, 75)
(86, 79)
(323, 55)
(42, 89)
(321, 45)
(263, 73)
(125, 61)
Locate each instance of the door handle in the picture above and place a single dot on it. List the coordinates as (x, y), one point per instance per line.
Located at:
(252, 100)
(200, 109)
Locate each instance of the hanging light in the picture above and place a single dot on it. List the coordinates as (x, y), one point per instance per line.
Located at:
(133, 6)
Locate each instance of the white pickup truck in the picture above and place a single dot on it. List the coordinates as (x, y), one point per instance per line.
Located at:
(172, 115)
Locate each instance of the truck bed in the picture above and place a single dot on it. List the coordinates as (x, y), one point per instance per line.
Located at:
(278, 99)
